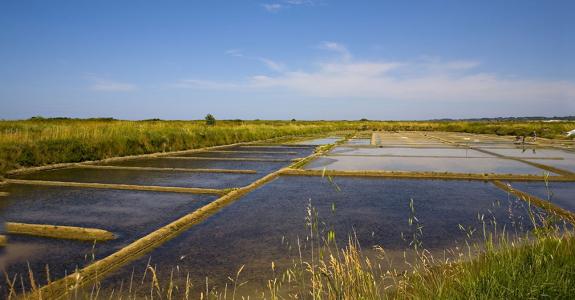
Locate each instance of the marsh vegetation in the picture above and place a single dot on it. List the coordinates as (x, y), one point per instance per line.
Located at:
(40, 141)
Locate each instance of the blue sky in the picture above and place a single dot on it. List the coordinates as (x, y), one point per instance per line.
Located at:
(284, 59)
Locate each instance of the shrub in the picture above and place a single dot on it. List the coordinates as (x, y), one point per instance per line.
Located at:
(210, 120)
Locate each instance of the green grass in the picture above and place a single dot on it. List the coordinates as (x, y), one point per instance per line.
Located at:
(38, 141)
(543, 268)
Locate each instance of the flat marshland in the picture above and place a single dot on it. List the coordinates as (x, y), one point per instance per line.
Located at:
(308, 210)
(40, 141)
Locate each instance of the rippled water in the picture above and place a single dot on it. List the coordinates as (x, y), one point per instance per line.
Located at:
(264, 226)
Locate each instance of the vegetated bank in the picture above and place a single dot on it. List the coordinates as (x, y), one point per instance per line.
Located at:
(543, 129)
(542, 268)
(40, 141)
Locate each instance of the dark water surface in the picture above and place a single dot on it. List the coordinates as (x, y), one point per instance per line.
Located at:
(128, 214)
(264, 225)
(264, 167)
(246, 154)
(559, 193)
(137, 177)
(303, 148)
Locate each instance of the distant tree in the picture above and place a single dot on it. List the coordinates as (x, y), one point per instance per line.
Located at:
(293, 120)
(210, 120)
(364, 120)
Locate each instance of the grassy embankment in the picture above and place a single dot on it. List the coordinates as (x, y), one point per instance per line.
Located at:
(39, 142)
(543, 268)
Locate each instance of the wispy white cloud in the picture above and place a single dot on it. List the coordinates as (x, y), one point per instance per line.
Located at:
(206, 84)
(270, 63)
(304, 2)
(235, 52)
(376, 80)
(105, 85)
(336, 47)
(273, 7)
(273, 65)
(427, 79)
(281, 5)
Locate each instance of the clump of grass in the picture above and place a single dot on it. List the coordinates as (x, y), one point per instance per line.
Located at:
(541, 268)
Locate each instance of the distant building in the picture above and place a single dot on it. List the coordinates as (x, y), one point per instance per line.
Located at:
(570, 133)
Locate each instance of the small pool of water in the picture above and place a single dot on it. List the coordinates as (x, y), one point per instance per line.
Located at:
(424, 164)
(492, 145)
(566, 164)
(251, 154)
(302, 150)
(154, 178)
(408, 151)
(358, 142)
(533, 152)
(262, 167)
(322, 141)
(417, 145)
(559, 193)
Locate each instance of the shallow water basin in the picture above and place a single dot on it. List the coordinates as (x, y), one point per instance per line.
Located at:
(424, 164)
(128, 214)
(408, 151)
(260, 167)
(559, 193)
(152, 178)
(264, 226)
(532, 152)
(318, 142)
